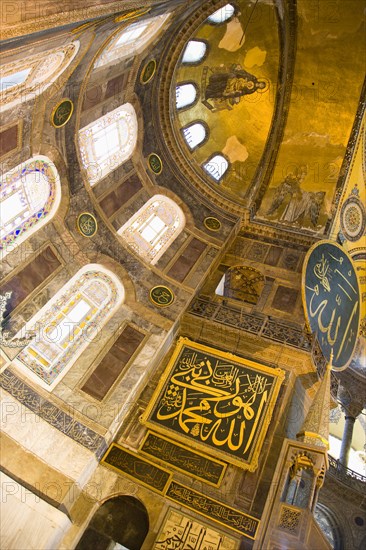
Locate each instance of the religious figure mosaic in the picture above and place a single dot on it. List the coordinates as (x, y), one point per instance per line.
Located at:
(215, 401)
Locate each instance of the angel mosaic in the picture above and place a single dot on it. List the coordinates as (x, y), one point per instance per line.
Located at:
(298, 203)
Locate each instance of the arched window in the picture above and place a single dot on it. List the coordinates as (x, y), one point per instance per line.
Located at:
(30, 196)
(216, 167)
(28, 77)
(222, 14)
(132, 40)
(185, 95)
(153, 228)
(194, 134)
(64, 327)
(195, 51)
(108, 141)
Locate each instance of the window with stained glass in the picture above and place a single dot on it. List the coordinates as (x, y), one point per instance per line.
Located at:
(68, 323)
(29, 197)
(194, 52)
(185, 95)
(216, 167)
(131, 40)
(22, 80)
(153, 228)
(108, 142)
(194, 134)
(221, 15)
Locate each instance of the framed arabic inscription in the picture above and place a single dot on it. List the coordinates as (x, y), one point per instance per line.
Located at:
(215, 402)
(181, 531)
(331, 300)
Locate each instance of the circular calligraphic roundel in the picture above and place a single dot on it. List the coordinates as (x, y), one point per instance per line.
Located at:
(161, 296)
(331, 300)
(87, 224)
(353, 219)
(212, 224)
(62, 112)
(148, 71)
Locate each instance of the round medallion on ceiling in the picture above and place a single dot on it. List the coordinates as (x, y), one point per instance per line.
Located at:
(353, 219)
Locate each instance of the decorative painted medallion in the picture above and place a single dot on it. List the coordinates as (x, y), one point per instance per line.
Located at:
(353, 218)
(62, 113)
(161, 296)
(155, 163)
(212, 224)
(148, 71)
(215, 402)
(331, 300)
(87, 225)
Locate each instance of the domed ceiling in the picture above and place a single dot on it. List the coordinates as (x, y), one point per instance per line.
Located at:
(235, 81)
(236, 101)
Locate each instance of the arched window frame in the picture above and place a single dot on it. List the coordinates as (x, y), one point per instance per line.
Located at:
(201, 59)
(114, 121)
(203, 141)
(113, 52)
(228, 18)
(56, 315)
(168, 212)
(11, 182)
(43, 70)
(189, 105)
(204, 166)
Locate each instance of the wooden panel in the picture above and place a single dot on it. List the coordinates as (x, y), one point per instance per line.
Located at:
(119, 196)
(183, 265)
(8, 139)
(112, 364)
(30, 277)
(115, 85)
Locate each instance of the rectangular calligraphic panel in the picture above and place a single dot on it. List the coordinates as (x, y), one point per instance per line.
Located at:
(213, 509)
(216, 402)
(183, 532)
(139, 469)
(187, 461)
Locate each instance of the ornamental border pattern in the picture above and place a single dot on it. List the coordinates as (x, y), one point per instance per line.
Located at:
(53, 415)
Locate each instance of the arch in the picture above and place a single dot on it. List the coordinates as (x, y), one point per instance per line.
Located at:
(195, 134)
(131, 40)
(153, 228)
(185, 95)
(121, 520)
(108, 141)
(30, 196)
(24, 79)
(222, 14)
(195, 52)
(329, 526)
(65, 326)
(216, 167)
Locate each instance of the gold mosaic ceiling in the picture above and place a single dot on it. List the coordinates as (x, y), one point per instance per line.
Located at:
(328, 77)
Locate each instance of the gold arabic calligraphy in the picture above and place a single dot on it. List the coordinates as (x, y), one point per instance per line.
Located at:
(214, 401)
(333, 303)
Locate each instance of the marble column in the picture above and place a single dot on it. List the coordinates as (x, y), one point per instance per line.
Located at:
(346, 440)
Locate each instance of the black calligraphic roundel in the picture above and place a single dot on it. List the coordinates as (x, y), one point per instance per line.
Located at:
(331, 300)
